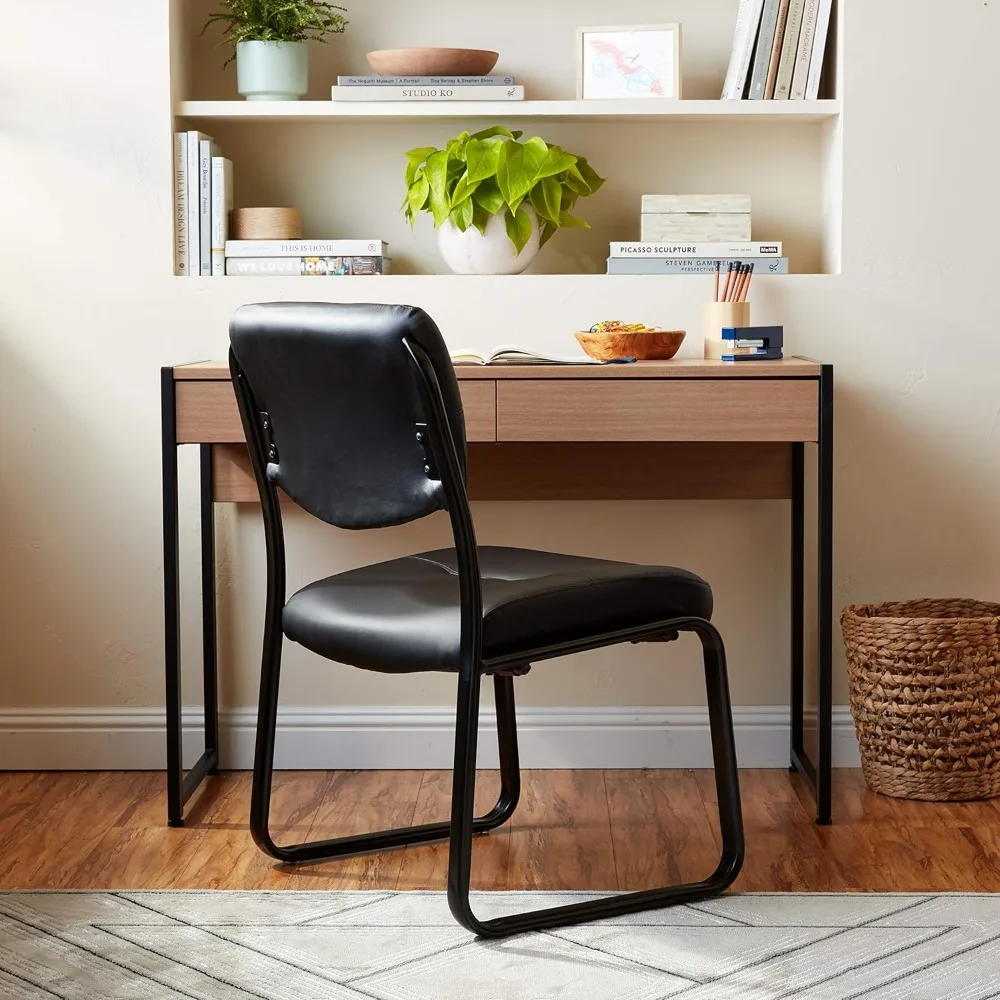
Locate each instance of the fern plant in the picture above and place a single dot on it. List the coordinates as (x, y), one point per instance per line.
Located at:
(278, 20)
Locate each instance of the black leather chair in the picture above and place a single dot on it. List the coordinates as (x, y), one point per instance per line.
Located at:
(354, 412)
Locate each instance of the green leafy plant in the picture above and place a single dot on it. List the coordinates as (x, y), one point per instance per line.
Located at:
(278, 20)
(478, 176)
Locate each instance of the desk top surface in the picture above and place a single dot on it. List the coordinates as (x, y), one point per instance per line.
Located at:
(678, 368)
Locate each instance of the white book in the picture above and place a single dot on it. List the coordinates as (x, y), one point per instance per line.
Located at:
(510, 354)
(710, 250)
(194, 201)
(206, 150)
(765, 42)
(789, 50)
(747, 27)
(180, 204)
(222, 205)
(820, 36)
(306, 248)
(428, 93)
(804, 55)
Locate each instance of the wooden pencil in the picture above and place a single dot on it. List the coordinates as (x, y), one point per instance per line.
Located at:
(737, 284)
(741, 287)
(718, 269)
(729, 282)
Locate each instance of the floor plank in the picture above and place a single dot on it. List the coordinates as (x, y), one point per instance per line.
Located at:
(573, 830)
(561, 833)
(426, 867)
(659, 828)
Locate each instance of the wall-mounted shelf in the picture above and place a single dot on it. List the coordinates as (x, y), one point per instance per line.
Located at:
(640, 110)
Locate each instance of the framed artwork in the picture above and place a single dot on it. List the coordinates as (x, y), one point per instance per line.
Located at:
(640, 61)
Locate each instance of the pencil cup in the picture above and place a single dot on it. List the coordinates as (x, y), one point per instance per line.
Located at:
(720, 316)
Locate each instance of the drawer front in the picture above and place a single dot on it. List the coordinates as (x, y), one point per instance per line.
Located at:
(756, 409)
(207, 412)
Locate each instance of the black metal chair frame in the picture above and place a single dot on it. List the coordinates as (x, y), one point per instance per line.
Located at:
(463, 825)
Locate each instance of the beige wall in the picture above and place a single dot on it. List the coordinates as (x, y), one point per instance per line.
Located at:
(89, 311)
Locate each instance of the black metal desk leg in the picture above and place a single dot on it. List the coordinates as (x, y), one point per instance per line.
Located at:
(171, 600)
(824, 766)
(208, 613)
(798, 605)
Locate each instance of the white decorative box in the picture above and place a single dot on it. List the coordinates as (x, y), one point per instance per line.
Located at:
(701, 218)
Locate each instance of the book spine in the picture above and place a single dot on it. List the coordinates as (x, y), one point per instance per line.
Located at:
(222, 205)
(765, 42)
(779, 37)
(820, 36)
(804, 53)
(306, 267)
(681, 250)
(739, 33)
(425, 81)
(206, 150)
(428, 93)
(617, 265)
(193, 207)
(743, 46)
(789, 50)
(305, 248)
(180, 204)
(760, 356)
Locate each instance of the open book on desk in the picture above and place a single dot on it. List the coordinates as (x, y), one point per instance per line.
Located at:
(510, 355)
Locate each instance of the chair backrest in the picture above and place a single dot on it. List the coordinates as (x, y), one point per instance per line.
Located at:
(341, 407)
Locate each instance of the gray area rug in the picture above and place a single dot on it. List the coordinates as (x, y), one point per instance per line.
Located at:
(405, 946)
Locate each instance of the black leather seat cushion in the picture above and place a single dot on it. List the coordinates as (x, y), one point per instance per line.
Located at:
(403, 616)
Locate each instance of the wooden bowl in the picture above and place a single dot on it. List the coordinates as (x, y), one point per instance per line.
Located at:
(433, 62)
(658, 345)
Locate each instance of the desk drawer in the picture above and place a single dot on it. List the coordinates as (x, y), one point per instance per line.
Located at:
(207, 412)
(752, 409)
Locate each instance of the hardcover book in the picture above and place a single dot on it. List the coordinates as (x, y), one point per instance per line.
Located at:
(820, 36)
(765, 43)
(425, 81)
(692, 265)
(803, 56)
(180, 204)
(222, 205)
(744, 38)
(306, 248)
(307, 267)
(789, 50)
(427, 92)
(684, 249)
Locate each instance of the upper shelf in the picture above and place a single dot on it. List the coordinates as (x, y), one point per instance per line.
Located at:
(638, 110)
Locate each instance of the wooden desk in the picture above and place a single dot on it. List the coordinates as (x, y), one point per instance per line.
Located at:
(685, 429)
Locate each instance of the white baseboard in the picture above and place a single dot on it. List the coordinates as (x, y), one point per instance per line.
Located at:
(401, 738)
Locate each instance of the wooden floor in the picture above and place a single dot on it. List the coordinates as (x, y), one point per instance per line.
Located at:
(573, 830)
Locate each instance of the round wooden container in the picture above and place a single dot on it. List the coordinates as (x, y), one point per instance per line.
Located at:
(651, 345)
(266, 224)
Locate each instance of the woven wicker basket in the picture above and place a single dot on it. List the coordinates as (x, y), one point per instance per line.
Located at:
(925, 695)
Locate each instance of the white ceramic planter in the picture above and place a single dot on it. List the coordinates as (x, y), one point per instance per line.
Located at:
(473, 252)
(272, 71)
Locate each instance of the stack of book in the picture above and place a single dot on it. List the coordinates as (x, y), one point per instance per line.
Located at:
(306, 258)
(778, 50)
(695, 258)
(203, 199)
(427, 88)
(748, 343)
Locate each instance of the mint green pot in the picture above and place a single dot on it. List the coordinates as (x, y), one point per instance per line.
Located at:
(272, 71)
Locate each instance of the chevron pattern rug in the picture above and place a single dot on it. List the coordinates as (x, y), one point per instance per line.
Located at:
(405, 946)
